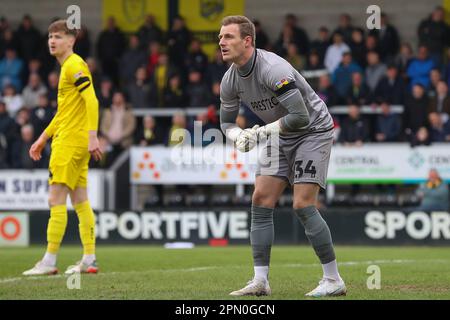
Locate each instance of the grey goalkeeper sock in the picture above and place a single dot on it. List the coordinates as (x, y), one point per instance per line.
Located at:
(261, 235)
(318, 233)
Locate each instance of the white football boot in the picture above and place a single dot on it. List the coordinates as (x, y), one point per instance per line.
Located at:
(81, 267)
(328, 288)
(41, 269)
(255, 287)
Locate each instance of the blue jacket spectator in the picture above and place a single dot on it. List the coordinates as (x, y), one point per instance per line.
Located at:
(420, 68)
(434, 193)
(342, 76)
(11, 70)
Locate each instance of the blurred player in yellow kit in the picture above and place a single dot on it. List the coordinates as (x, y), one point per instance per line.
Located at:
(74, 134)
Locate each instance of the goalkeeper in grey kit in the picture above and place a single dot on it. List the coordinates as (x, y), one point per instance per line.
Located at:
(298, 135)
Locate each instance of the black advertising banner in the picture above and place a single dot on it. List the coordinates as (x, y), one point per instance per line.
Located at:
(232, 226)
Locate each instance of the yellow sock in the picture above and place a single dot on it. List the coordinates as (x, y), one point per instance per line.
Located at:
(86, 226)
(56, 228)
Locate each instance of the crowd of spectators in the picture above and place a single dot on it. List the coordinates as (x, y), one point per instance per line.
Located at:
(156, 69)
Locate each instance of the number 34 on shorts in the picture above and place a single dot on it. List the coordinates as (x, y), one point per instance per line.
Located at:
(300, 169)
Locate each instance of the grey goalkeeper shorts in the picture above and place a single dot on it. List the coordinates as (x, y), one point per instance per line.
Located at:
(298, 159)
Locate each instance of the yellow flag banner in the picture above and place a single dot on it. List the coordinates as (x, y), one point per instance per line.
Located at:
(447, 10)
(130, 14)
(203, 18)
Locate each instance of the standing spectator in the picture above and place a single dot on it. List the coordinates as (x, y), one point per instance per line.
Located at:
(11, 69)
(333, 56)
(110, 46)
(293, 33)
(131, 60)
(148, 135)
(345, 27)
(420, 138)
(403, 59)
(118, 124)
(354, 129)
(141, 92)
(388, 39)
(41, 115)
(391, 87)
(433, 33)
(7, 40)
(321, 44)
(28, 39)
(52, 92)
(33, 90)
(388, 125)
(358, 92)
(358, 47)
(106, 93)
(179, 38)
(12, 99)
(160, 76)
(342, 76)
(262, 40)
(415, 113)
(215, 94)
(196, 57)
(439, 130)
(154, 51)
(375, 70)
(7, 135)
(174, 95)
(197, 91)
(149, 32)
(95, 73)
(82, 45)
(420, 67)
(441, 102)
(433, 193)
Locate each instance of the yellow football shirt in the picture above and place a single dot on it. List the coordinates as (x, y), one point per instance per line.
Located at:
(77, 105)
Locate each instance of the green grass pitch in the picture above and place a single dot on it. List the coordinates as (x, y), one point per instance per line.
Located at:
(151, 272)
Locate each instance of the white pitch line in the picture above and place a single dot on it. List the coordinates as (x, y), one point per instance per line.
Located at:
(196, 269)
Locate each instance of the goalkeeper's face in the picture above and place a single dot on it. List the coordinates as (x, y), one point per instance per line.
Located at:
(231, 44)
(59, 43)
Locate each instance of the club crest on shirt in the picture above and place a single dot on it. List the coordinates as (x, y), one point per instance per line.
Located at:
(281, 83)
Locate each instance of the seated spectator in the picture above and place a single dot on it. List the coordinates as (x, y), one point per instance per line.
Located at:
(415, 112)
(41, 115)
(95, 73)
(11, 68)
(141, 92)
(154, 51)
(294, 58)
(174, 94)
(391, 87)
(333, 56)
(358, 47)
(439, 130)
(197, 91)
(314, 62)
(358, 93)
(148, 135)
(178, 132)
(434, 193)
(178, 40)
(326, 91)
(33, 90)
(441, 102)
(118, 124)
(132, 59)
(215, 94)
(433, 33)
(420, 138)
(321, 43)
(217, 68)
(354, 129)
(388, 125)
(7, 134)
(107, 154)
(435, 77)
(52, 91)
(161, 75)
(342, 76)
(12, 99)
(106, 92)
(420, 67)
(34, 66)
(372, 43)
(196, 57)
(22, 147)
(375, 70)
(403, 59)
(262, 40)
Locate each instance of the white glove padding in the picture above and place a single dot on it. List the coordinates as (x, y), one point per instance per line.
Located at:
(247, 139)
(268, 129)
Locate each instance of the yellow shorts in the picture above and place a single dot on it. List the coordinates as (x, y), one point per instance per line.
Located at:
(69, 166)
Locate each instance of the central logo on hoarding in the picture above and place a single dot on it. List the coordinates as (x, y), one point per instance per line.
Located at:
(211, 9)
(416, 160)
(134, 10)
